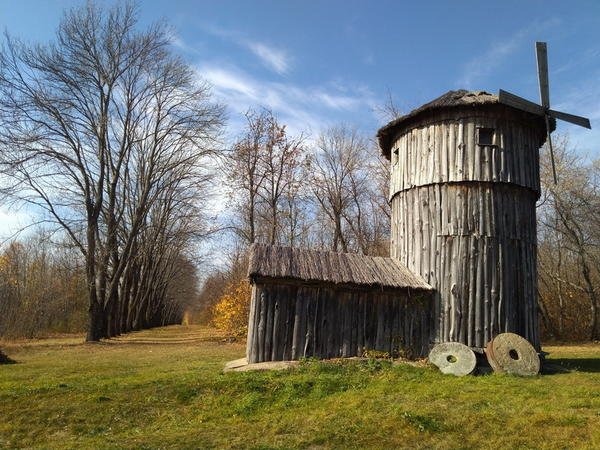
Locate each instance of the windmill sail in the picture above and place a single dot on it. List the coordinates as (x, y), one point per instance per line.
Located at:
(517, 102)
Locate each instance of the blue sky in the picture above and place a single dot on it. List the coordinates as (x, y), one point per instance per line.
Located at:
(317, 63)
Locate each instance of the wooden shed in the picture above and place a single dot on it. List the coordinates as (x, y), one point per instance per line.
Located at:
(327, 304)
(464, 184)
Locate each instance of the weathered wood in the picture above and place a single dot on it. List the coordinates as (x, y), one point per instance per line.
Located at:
(251, 324)
(468, 161)
(463, 217)
(262, 314)
(332, 321)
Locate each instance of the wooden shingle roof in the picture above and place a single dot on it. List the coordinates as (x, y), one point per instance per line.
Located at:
(269, 261)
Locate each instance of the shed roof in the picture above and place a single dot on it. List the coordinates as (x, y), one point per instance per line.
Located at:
(272, 261)
(451, 99)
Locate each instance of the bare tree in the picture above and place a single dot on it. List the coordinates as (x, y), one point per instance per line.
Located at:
(245, 175)
(389, 110)
(296, 217)
(264, 176)
(281, 161)
(102, 113)
(570, 239)
(338, 180)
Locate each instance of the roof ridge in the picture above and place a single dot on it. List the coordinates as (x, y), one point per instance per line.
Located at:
(275, 261)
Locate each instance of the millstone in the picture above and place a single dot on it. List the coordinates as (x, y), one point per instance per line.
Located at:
(511, 353)
(453, 358)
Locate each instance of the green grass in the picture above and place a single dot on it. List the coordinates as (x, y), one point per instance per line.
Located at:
(164, 389)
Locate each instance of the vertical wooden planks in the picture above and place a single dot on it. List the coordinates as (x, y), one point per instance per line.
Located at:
(251, 325)
(291, 322)
(471, 238)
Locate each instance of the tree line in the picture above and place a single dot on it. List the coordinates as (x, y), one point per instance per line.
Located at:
(106, 133)
(329, 192)
(569, 247)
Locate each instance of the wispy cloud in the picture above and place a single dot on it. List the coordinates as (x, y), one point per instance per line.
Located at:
(583, 99)
(303, 108)
(499, 52)
(579, 61)
(274, 58)
(183, 46)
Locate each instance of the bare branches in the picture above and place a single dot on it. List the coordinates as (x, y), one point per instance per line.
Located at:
(110, 133)
(570, 240)
(265, 172)
(347, 184)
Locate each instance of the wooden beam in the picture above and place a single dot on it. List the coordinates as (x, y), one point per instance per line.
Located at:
(541, 52)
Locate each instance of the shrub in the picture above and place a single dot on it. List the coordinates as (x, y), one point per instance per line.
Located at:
(230, 314)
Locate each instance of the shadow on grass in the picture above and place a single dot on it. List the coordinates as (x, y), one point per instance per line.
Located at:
(562, 365)
(6, 360)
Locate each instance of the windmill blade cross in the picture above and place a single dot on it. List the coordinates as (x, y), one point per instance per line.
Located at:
(506, 98)
(519, 102)
(577, 120)
(541, 51)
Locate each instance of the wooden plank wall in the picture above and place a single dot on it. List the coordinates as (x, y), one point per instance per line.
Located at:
(445, 150)
(463, 217)
(293, 321)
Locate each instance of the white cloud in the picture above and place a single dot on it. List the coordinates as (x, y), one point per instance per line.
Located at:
(274, 58)
(12, 221)
(226, 81)
(179, 43)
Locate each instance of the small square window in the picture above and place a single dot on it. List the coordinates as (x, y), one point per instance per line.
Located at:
(485, 136)
(396, 157)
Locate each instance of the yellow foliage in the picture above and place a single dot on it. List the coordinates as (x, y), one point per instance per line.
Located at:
(230, 314)
(4, 263)
(187, 318)
(7, 272)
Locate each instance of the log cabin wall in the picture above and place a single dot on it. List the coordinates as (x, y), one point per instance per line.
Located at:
(463, 217)
(293, 320)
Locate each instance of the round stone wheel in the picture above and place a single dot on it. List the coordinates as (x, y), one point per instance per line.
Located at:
(511, 353)
(453, 358)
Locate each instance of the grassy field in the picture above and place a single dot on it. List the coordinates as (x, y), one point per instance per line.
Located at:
(164, 389)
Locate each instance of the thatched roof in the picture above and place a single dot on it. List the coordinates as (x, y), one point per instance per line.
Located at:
(268, 261)
(451, 99)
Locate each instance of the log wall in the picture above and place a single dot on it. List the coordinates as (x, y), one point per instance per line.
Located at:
(463, 217)
(289, 321)
(444, 149)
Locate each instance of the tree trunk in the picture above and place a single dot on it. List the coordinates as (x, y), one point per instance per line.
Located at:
(97, 327)
(594, 323)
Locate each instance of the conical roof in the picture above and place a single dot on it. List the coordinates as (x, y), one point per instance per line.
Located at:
(451, 99)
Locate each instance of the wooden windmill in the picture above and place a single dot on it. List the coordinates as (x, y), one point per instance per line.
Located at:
(464, 182)
(544, 109)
